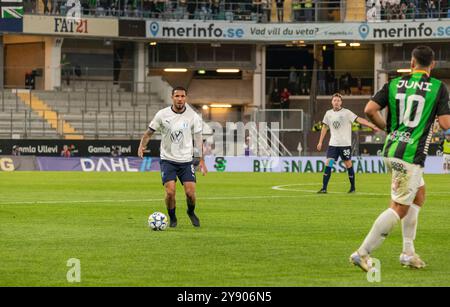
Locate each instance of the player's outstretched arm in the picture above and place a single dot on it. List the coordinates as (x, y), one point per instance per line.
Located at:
(372, 111)
(366, 123)
(323, 132)
(144, 141)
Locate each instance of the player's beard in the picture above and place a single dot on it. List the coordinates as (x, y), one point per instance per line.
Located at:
(179, 106)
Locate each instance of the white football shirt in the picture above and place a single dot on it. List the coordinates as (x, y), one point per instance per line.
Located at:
(176, 133)
(340, 123)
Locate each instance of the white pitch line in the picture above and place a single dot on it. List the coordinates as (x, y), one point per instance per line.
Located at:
(142, 200)
(311, 193)
(39, 202)
(282, 188)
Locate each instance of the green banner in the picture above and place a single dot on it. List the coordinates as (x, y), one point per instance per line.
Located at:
(11, 9)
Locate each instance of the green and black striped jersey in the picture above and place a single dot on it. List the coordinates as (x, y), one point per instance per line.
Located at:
(413, 102)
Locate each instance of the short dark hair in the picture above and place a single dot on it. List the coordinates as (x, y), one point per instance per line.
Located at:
(336, 95)
(424, 55)
(179, 88)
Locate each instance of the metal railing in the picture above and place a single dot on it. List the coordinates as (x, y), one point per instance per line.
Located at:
(401, 52)
(108, 95)
(275, 135)
(287, 119)
(231, 10)
(117, 124)
(95, 112)
(27, 124)
(329, 81)
(76, 67)
(87, 95)
(88, 100)
(415, 9)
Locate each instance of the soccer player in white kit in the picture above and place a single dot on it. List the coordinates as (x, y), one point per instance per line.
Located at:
(339, 120)
(179, 126)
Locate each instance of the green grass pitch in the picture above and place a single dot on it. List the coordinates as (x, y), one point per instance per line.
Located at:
(251, 234)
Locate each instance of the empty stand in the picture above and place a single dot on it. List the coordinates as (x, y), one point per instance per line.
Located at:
(92, 113)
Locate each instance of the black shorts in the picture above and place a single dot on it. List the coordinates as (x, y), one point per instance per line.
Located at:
(334, 152)
(171, 170)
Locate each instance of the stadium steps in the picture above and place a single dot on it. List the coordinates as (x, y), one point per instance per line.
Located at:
(92, 115)
(46, 112)
(18, 121)
(355, 10)
(100, 100)
(83, 85)
(127, 120)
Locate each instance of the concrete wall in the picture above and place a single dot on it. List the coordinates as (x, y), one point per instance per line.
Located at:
(23, 58)
(24, 53)
(238, 92)
(359, 61)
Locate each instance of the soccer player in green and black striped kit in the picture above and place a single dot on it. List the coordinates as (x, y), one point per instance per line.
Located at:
(413, 102)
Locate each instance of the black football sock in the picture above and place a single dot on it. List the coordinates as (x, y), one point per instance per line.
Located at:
(351, 177)
(172, 213)
(191, 206)
(326, 177)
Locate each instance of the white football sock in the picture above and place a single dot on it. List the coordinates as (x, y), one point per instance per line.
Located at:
(380, 229)
(409, 228)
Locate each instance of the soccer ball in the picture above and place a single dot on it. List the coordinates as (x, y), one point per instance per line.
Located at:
(157, 221)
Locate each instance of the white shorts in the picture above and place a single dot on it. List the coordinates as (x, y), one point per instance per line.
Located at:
(446, 158)
(407, 178)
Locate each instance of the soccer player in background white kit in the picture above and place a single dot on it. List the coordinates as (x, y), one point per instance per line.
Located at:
(179, 126)
(339, 120)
